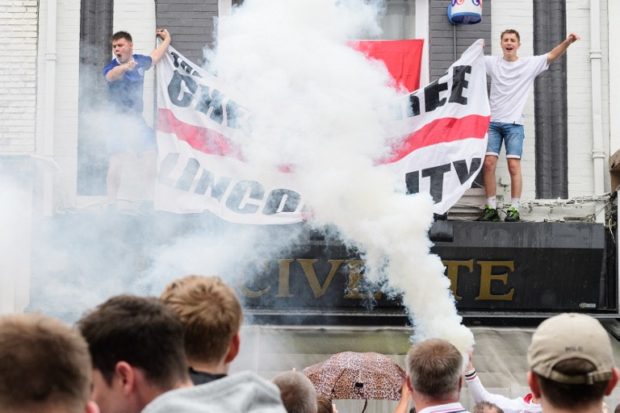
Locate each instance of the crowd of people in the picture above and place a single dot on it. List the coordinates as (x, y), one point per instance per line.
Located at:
(134, 354)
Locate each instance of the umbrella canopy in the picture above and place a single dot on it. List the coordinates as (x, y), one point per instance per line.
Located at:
(351, 375)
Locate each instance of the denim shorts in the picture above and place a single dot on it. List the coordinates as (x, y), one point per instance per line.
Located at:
(511, 133)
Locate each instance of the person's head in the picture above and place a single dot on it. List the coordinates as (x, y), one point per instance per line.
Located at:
(45, 366)
(136, 346)
(122, 46)
(297, 392)
(434, 371)
(510, 41)
(211, 316)
(571, 362)
(486, 407)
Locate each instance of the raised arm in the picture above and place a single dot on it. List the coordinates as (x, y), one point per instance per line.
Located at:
(561, 48)
(159, 52)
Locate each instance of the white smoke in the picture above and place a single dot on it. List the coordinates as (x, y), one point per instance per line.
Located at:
(317, 105)
(15, 210)
(325, 109)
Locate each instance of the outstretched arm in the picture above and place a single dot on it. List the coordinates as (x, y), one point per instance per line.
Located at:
(561, 48)
(159, 52)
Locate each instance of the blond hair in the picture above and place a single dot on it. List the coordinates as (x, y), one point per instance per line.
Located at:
(210, 313)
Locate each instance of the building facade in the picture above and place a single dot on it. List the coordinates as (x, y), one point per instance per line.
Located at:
(52, 160)
(569, 130)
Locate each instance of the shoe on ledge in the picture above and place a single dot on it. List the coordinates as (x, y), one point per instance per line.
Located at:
(490, 215)
(512, 215)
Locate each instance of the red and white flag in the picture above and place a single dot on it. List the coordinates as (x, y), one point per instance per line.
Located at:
(201, 167)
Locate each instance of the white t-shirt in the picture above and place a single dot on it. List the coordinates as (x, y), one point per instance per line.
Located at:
(511, 83)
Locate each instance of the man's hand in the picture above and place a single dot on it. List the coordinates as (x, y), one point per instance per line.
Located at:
(130, 65)
(572, 38)
(162, 34)
(561, 48)
(158, 53)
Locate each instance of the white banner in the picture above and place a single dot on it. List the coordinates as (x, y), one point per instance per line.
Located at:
(200, 168)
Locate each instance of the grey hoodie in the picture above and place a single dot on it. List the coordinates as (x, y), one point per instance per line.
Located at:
(237, 393)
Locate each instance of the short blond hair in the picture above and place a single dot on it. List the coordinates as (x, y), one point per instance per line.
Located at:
(210, 313)
(45, 364)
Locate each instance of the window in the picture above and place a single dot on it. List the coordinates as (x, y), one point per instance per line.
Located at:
(399, 20)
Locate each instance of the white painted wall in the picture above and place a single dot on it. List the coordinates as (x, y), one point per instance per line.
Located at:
(64, 104)
(18, 20)
(18, 99)
(579, 96)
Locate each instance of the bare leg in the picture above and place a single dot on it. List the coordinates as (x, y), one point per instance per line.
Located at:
(516, 181)
(488, 175)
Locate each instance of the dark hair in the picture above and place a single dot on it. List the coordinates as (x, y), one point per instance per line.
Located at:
(140, 331)
(564, 396)
(121, 35)
(43, 363)
(510, 31)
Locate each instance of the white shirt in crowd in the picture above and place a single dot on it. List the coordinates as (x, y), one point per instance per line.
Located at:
(518, 405)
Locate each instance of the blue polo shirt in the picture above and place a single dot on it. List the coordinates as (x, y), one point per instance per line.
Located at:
(126, 93)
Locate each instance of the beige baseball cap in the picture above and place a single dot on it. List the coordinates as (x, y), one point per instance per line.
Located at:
(571, 336)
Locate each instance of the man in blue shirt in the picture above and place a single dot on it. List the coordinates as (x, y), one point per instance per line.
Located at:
(131, 137)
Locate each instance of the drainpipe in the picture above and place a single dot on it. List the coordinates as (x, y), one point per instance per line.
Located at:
(598, 152)
(49, 108)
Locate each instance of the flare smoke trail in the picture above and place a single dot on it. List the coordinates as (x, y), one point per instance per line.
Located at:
(322, 107)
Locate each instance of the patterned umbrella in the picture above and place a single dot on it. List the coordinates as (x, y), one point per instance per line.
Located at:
(351, 375)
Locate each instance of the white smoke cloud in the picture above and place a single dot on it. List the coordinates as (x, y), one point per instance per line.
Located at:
(321, 106)
(15, 210)
(317, 105)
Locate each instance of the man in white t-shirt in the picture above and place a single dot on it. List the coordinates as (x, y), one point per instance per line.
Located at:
(512, 78)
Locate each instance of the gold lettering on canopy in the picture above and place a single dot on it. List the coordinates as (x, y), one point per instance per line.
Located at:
(488, 290)
(307, 266)
(452, 271)
(284, 278)
(487, 277)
